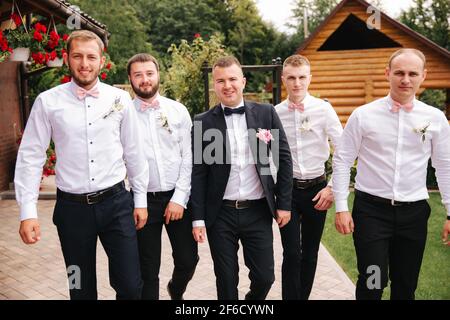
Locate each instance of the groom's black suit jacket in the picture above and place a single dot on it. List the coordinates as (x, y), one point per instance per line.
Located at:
(209, 180)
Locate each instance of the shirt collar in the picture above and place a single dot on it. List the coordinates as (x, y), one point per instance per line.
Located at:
(139, 100)
(304, 101)
(241, 104)
(390, 101)
(73, 86)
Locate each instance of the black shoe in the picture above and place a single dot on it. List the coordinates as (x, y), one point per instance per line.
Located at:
(173, 295)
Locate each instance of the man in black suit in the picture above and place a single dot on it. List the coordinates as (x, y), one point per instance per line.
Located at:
(233, 191)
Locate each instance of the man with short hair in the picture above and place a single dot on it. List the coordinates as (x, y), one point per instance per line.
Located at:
(97, 143)
(233, 192)
(165, 126)
(308, 122)
(393, 139)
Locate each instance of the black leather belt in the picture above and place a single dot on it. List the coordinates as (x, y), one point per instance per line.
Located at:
(242, 204)
(371, 197)
(160, 193)
(92, 197)
(305, 184)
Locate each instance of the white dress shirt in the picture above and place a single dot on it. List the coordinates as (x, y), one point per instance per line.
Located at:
(307, 133)
(243, 182)
(167, 147)
(94, 138)
(393, 153)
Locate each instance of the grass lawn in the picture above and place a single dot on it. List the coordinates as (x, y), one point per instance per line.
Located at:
(434, 280)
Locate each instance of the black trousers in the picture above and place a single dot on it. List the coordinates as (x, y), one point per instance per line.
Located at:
(253, 227)
(389, 242)
(79, 225)
(301, 241)
(184, 248)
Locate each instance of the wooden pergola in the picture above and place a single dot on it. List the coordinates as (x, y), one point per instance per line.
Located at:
(348, 59)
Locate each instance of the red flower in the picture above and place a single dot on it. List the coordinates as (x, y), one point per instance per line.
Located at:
(103, 75)
(54, 36)
(52, 56)
(108, 66)
(66, 79)
(40, 28)
(16, 18)
(52, 157)
(37, 36)
(65, 37)
(197, 35)
(38, 57)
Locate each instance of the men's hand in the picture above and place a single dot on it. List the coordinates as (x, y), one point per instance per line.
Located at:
(199, 234)
(283, 217)
(140, 217)
(30, 231)
(173, 212)
(344, 222)
(324, 199)
(445, 233)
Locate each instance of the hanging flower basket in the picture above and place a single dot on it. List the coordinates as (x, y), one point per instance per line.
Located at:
(20, 54)
(56, 63)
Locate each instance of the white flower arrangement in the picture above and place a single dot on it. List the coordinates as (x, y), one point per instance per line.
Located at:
(305, 124)
(422, 130)
(164, 122)
(116, 107)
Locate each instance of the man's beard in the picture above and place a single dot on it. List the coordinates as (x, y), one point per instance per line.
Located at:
(145, 94)
(84, 82)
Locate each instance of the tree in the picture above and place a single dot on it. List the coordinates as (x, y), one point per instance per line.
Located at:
(183, 80)
(128, 35)
(431, 19)
(168, 22)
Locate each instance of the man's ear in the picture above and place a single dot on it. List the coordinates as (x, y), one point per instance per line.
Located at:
(386, 72)
(66, 58)
(103, 59)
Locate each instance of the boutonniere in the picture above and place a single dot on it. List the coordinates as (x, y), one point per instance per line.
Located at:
(422, 130)
(164, 122)
(264, 135)
(305, 124)
(116, 107)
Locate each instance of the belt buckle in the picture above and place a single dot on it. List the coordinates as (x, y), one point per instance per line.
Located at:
(236, 205)
(88, 199)
(299, 186)
(395, 203)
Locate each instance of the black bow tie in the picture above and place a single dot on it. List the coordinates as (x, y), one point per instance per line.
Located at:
(229, 111)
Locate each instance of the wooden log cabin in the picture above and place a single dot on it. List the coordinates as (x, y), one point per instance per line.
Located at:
(348, 59)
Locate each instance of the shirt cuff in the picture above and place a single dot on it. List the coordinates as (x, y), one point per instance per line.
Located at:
(179, 197)
(28, 211)
(140, 200)
(198, 223)
(341, 205)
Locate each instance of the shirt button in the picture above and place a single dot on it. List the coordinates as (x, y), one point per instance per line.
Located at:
(89, 106)
(92, 160)
(90, 123)
(91, 142)
(92, 179)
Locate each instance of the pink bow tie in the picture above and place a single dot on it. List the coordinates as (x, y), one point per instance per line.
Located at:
(296, 106)
(82, 93)
(152, 105)
(396, 106)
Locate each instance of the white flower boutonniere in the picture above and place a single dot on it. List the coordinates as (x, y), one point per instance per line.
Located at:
(164, 122)
(422, 130)
(305, 124)
(116, 107)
